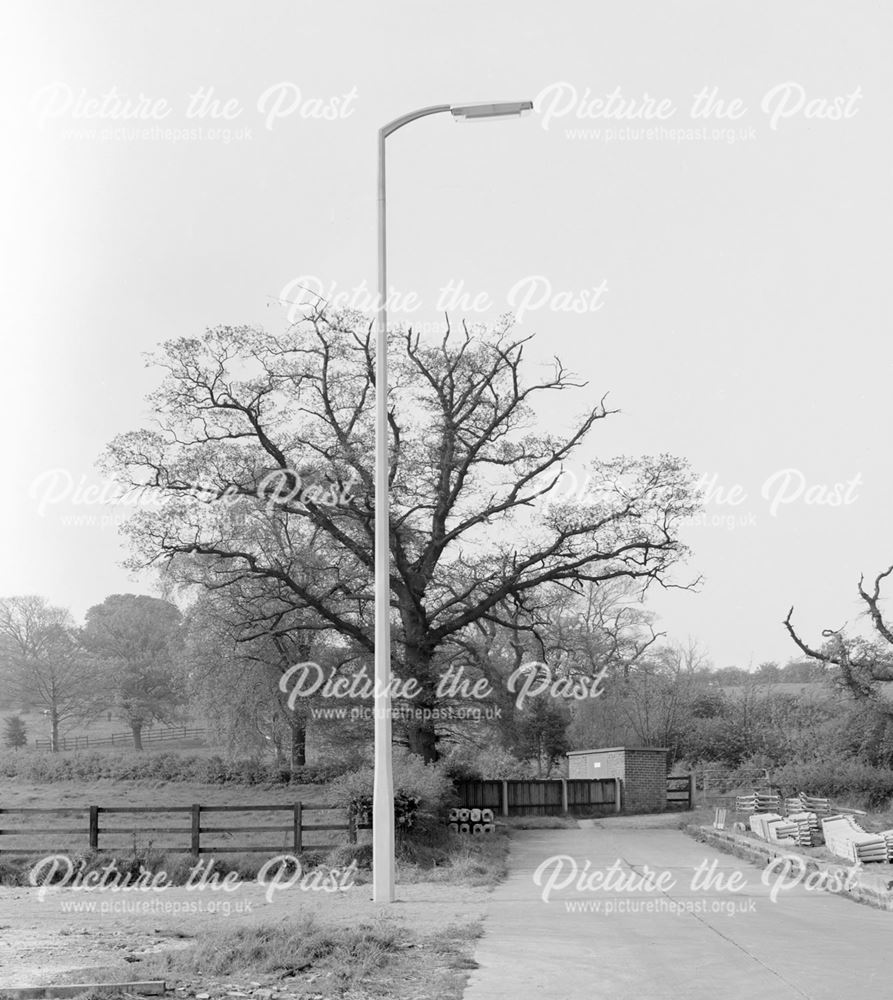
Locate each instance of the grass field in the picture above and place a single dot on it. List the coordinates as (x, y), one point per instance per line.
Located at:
(15, 792)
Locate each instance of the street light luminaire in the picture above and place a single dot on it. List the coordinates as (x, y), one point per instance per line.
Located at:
(502, 109)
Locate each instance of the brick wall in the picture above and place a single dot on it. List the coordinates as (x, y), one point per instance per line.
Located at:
(643, 771)
(645, 782)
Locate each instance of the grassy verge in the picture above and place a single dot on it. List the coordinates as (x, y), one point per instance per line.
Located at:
(457, 860)
(450, 859)
(381, 958)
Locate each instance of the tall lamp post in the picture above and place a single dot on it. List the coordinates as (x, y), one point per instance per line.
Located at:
(383, 796)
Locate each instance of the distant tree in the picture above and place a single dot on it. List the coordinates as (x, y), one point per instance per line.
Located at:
(589, 636)
(730, 676)
(804, 672)
(769, 672)
(239, 642)
(542, 734)
(45, 662)
(14, 733)
(138, 638)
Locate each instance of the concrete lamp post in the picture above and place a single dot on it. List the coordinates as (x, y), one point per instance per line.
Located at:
(383, 795)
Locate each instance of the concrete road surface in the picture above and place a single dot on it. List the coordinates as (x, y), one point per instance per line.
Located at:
(597, 925)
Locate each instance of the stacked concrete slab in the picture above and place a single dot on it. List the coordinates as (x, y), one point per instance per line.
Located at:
(771, 826)
(808, 829)
(845, 838)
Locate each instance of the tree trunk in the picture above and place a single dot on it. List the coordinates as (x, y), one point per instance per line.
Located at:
(422, 739)
(54, 722)
(298, 743)
(137, 729)
(419, 726)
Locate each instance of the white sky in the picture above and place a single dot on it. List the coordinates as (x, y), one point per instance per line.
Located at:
(745, 311)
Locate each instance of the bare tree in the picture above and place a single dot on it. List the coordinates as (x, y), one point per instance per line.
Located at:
(46, 663)
(862, 666)
(265, 447)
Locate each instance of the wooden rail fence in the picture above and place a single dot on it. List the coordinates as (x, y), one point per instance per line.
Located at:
(117, 739)
(291, 829)
(549, 797)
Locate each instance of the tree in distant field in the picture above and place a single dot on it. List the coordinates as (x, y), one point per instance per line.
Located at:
(14, 733)
(265, 448)
(137, 638)
(46, 663)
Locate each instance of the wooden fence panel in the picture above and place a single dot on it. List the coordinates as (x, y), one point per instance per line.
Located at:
(591, 795)
(120, 828)
(539, 797)
(480, 794)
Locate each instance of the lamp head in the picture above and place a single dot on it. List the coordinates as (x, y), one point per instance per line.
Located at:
(500, 109)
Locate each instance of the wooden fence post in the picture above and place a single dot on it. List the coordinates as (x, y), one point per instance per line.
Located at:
(505, 798)
(691, 790)
(94, 828)
(196, 828)
(298, 831)
(564, 808)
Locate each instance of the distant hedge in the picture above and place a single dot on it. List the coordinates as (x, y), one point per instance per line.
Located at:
(846, 781)
(89, 766)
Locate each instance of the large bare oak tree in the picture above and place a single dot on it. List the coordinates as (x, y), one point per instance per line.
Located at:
(261, 469)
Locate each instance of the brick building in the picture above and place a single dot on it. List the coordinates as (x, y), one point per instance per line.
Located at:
(641, 770)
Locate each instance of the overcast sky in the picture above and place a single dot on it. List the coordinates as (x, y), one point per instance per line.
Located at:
(731, 267)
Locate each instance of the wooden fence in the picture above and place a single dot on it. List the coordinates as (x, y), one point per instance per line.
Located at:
(98, 829)
(680, 791)
(118, 739)
(554, 797)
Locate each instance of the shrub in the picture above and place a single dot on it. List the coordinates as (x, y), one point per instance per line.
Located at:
(421, 791)
(465, 762)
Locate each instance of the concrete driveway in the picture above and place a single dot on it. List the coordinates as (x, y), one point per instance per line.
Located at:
(593, 928)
